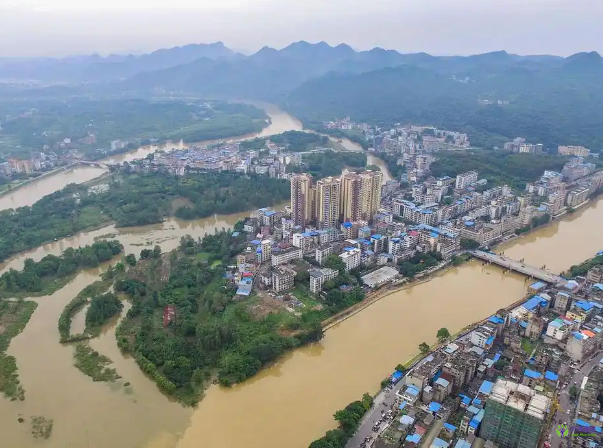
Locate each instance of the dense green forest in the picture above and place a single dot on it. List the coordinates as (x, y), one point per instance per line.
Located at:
(419, 263)
(134, 199)
(534, 100)
(354, 136)
(52, 272)
(138, 199)
(329, 163)
(210, 331)
(497, 167)
(76, 305)
(102, 308)
(31, 124)
(295, 141)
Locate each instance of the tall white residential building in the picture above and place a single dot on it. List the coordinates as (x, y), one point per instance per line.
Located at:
(351, 258)
(463, 180)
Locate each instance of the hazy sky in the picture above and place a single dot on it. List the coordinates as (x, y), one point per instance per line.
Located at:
(62, 27)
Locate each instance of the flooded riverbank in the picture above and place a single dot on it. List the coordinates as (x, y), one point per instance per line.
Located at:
(275, 408)
(280, 122)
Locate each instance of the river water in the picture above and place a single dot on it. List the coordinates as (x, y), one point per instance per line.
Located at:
(280, 122)
(286, 405)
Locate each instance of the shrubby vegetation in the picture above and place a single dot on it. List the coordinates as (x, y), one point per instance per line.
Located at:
(348, 420)
(211, 332)
(75, 305)
(354, 136)
(329, 163)
(469, 244)
(91, 363)
(138, 199)
(52, 273)
(134, 199)
(134, 120)
(102, 308)
(419, 263)
(56, 215)
(295, 141)
(13, 319)
(583, 268)
(536, 222)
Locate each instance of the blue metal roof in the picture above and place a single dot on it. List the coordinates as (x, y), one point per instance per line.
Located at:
(462, 443)
(412, 390)
(397, 375)
(439, 443)
(347, 225)
(496, 320)
(490, 340)
(532, 303)
(376, 236)
(434, 406)
(415, 438)
(486, 387)
(586, 306)
(532, 374)
(473, 410)
(449, 427)
(551, 376)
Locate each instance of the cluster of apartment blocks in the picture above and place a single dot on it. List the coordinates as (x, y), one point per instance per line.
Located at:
(457, 384)
(37, 163)
(492, 388)
(226, 157)
(331, 201)
(280, 243)
(519, 145)
(485, 216)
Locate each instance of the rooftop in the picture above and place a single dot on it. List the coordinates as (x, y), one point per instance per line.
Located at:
(520, 397)
(380, 275)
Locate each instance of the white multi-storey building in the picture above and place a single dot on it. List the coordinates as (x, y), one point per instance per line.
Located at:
(351, 258)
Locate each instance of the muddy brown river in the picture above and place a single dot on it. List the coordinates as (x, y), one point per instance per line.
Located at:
(287, 405)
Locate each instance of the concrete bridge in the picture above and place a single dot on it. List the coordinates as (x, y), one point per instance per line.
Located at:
(97, 164)
(519, 266)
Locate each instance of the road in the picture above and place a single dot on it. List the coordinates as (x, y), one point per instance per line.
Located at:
(388, 396)
(518, 266)
(567, 410)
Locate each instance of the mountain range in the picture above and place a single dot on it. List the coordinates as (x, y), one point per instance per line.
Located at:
(494, 96)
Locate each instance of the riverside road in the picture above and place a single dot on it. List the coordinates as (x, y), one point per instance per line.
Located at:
(567, 410)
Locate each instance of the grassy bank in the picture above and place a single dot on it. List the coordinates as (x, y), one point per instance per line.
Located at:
(13, 319)
(76, 305)
(91, 363)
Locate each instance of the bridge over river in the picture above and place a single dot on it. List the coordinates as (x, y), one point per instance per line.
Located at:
(519, 266)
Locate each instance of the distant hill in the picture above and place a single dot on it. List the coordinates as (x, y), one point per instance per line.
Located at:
(494, 97)
(95, 68)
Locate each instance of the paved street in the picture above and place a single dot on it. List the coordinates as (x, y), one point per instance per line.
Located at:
(374, 414)
(565, 403)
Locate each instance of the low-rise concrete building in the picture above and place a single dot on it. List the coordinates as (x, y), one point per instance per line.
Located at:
(286, 256)
(282, 279)
(319, 276)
